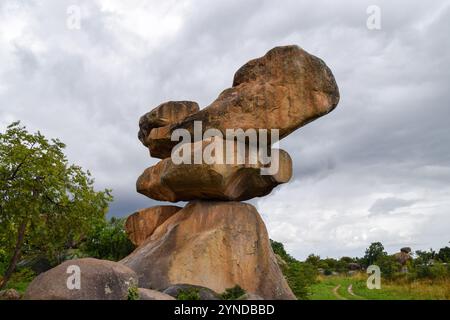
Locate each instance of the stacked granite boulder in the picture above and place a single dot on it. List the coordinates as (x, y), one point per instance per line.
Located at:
(215, 241)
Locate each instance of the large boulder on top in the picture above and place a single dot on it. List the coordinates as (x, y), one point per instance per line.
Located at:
(99, 280)
(141, 224)
(225, 180)
(211, 244)
(285, 89)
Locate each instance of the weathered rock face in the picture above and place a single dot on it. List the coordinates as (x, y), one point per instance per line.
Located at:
(148, 294)
(402, 257)
(165, 114)
(100, 280)
(167, 181)
(10, 294)
(211, 244)
(405, 250)
(141, 224)
(285, 89)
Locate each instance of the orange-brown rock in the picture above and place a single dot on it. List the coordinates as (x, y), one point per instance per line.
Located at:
(141, 224)
(167, 181)
(165, 114)
(285, 89)
(212, 244)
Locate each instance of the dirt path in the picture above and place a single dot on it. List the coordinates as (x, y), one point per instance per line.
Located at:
(335, 292)
(350, 291)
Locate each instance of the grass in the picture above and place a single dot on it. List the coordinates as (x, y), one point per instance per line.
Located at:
(390, 290)
(20, 280)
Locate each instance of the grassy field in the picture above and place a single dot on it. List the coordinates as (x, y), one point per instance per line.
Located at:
(337, 288)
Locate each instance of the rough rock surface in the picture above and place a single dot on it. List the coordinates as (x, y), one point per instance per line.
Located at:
(165, 114)
(167, 181)
(10, 294)
(148, 294)
(402, 257)
(100, 280)
(250, 296)
(405, 250)
(141, 224)
(211, 244)
(285, 89)
(204, 293)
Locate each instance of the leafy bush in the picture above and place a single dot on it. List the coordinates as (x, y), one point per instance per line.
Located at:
(389, 266)
(433, 271)
(133, 293)
(299, 275)
(189, 294)
(21, 279)
(328, 272)
(108, 241)
(444, 254)
(232, 293)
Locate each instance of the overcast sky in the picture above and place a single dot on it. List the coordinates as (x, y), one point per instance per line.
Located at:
(375, 169)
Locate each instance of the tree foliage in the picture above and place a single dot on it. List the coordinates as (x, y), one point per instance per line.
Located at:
(108, 240)
(299, 275)
(373, 253)
(46, 204)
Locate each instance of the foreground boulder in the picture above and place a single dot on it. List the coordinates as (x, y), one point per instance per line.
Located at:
(211, 244)
(167, 181)
(285, 89)
(141, 224)
(99, 280)
(10, 294)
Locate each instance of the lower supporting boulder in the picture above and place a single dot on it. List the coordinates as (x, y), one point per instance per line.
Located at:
(212, 244)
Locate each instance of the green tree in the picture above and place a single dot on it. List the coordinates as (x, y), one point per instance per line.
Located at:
(373, 253)
(299, 275)
(313, 259)
(389, 265)
(108, 240)
(45, 204)
(444, 254)
(424, 257)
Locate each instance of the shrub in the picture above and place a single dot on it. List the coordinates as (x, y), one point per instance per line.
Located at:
(108, 241)
(299, 275)
(189, 294)
(232, 293)
(435, 271)
(133, 293)
(389, 266)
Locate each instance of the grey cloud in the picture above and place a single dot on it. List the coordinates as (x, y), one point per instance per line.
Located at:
(388, 205)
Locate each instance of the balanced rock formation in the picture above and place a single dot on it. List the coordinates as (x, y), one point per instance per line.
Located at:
(141, 224)
(167, 181)
(211, 244)
(99, 280)
(285, 89)
(214, 241)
